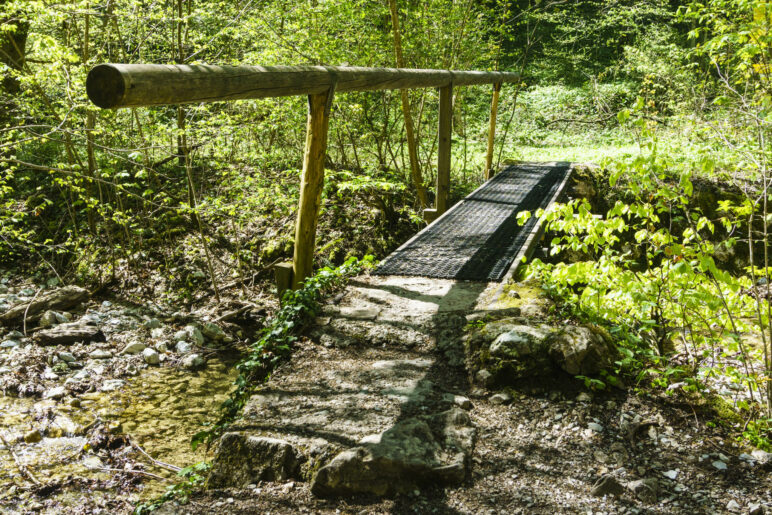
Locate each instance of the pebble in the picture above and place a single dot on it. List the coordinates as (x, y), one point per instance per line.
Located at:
(161, 347)
(644, 489)
(133, 348)
(719, 465)
(81, 374)
(755, 509)
(33, 436)
(183, 347)
(67, 357)
(153, 323)
(15, 335)
(9, 344)
(194, 334)
(151, 356)
(607, 485)
(213, 331)
(762, 457)
(192, 361)
(92, 462)
(91, 318)
(180, 335)
(583, 397)
(100, 354)
(157, 333)
(732, 505)
(112, 385)
(48, 319)
(462, 402)
(97, 369)
(500, 398)
(595, 427)
(55, 393)
(670, 474)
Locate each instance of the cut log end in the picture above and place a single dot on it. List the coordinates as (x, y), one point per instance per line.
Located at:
(105, 86)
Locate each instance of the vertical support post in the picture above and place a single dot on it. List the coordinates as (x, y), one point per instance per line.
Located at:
(282, 274)
(443, 148)
(311, 185)
(492, 131)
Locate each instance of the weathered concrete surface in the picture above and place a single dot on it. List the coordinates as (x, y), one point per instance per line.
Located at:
(364, 406)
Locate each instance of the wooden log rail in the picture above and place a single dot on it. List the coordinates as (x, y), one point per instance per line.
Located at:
(111, 86)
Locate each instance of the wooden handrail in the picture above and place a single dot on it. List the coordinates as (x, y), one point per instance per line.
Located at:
(137, 85)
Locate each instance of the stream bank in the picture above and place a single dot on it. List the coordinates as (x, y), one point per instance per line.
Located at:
(98, 416)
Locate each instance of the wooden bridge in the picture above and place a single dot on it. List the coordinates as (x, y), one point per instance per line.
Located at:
(477, 239)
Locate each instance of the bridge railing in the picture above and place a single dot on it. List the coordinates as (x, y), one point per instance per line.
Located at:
(137, 85)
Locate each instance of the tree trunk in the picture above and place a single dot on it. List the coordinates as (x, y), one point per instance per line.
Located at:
(415, 170)
(12, 54)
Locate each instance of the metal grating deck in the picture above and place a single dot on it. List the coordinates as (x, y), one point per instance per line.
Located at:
(478, 239)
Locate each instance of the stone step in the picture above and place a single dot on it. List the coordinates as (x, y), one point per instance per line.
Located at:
(369, 404)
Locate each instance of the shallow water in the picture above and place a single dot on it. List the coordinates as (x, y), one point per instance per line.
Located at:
(160, 409)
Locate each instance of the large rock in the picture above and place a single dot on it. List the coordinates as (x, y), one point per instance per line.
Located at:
(581, 350)
(213, 332)
(519, 353)
(63, 298)
(414, 452)
(242, 460)
(520, 341)
(66, 334)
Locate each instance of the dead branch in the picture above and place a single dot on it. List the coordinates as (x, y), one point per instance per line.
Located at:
(137, 472)
(167, 466)
(22, 468)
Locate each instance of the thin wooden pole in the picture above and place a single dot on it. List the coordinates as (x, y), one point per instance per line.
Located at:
(492, 131)
(443, 148)
(311, 185)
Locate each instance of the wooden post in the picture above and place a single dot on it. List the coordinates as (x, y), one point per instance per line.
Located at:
(443, 148)
(311, 185)
(430, 215)
(282, 273)
(492, 131)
